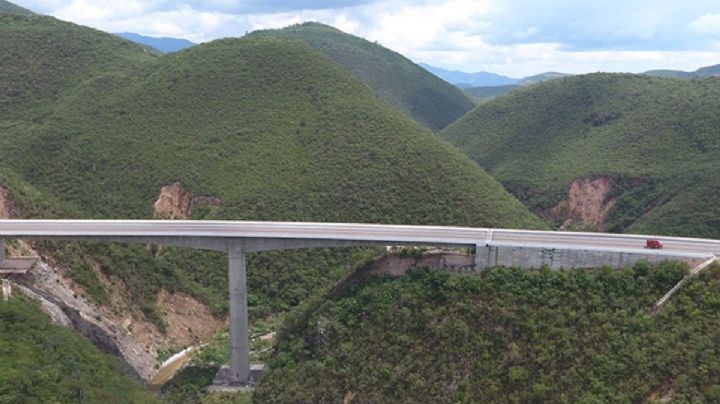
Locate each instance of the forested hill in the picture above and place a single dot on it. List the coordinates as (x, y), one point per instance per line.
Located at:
(42, 362)
(405, 85)
(644, 149)
(507, 335)
(10, 8)
(268, 125)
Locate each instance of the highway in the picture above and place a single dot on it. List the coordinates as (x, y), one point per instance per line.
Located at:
(369, 233)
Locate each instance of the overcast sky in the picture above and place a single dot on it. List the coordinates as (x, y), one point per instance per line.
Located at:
(511, 37)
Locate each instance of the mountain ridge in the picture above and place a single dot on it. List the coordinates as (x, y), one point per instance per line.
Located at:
(394, 78)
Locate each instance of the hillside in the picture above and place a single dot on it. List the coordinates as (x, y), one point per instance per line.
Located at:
(610, 151)
(42, 362)
(45, 59)
(505, 335)
(259, 128)
(397, 80)
(287, 120)
(538, 78)
(10, 8)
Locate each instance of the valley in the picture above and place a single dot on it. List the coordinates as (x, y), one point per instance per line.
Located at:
(313, 124)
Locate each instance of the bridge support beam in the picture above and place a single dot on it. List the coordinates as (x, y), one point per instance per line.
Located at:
(239, 345)
(237, 376)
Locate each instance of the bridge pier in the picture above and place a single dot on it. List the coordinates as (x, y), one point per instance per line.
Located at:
(238, 375)
(2, 250)
(239, 345)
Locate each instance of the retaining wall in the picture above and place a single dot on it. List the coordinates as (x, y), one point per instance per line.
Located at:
(555, 258)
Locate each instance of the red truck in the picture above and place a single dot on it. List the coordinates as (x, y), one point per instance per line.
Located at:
(653, 244)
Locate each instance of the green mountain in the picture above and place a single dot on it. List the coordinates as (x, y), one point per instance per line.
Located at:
(397, 80)
(10, 8)
(42, 362)
(45, 59)
(268, 125)
(506, 335)
(642, 149)
(268, 128)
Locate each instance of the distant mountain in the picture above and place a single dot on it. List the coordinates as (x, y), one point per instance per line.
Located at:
(708, 71)
(466, 80)
(673, 74)
(487, 93)
(679, 74)
(542, 77)
(10, 8)
(163, 44)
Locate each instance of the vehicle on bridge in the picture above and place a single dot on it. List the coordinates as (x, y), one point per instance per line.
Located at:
(653, 244)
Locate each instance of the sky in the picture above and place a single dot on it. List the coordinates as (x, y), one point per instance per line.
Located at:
(516, 38)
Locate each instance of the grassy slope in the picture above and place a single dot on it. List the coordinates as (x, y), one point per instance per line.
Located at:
(43, 59)
(10, 8)
(504, 336)
(397, 80)
(658, 137)
(274, 128)
(42, 362)
(256, 122)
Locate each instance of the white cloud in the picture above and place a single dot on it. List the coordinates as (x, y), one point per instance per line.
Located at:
(707, 24)
(512, 37)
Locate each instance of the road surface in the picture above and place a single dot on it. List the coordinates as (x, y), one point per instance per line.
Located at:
(371, 233)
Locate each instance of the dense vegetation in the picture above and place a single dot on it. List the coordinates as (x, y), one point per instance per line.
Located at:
(397, 80)
(45, 363)
(95, 126)
(505, 335)
(656, 138)
(10, 8)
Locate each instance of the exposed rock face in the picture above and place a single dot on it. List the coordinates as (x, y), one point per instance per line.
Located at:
(119, 328)
(114, 329)
(100, 325)
(587, 205)
(174, 202)
(188, 321)
(6, 207)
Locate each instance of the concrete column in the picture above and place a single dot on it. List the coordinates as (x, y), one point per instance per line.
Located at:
(239, 347)
(481, 257)
(2, 250)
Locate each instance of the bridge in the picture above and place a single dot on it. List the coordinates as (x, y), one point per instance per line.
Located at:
(493, 247)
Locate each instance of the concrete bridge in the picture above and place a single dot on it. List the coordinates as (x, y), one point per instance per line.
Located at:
(493, 247)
